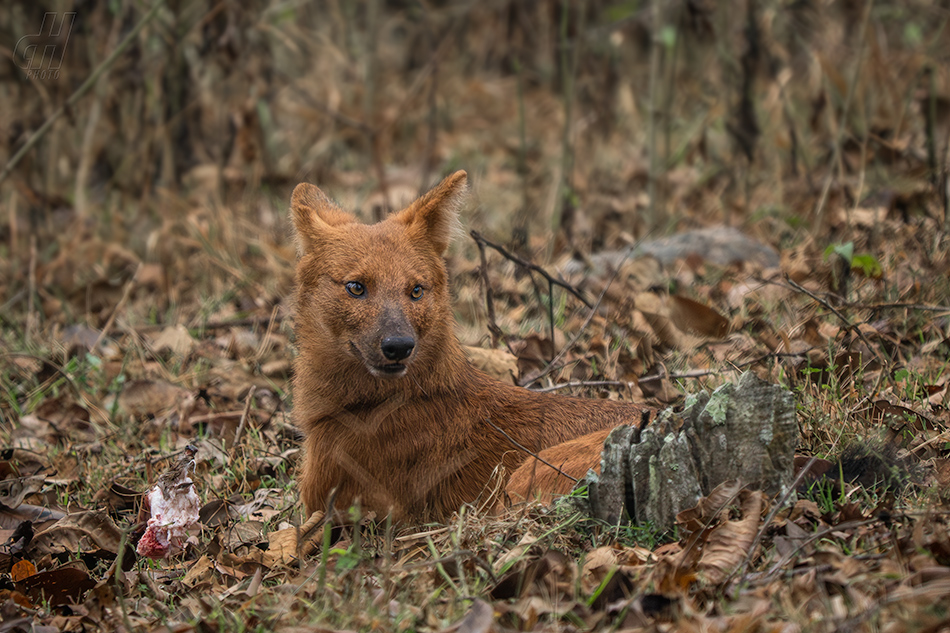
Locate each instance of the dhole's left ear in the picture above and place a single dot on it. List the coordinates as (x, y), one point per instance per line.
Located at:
(314, 215)
(435, 214)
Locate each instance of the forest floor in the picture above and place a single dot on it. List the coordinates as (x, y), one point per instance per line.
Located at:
(164, 320)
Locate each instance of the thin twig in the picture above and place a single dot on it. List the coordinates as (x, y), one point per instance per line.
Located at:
(125, 297)
(570, 54)
(243, 422)
(882, 376)
(87, 154)
(80, 91)
(519, 230)
(945, 189)
(930, 123)
(530, 266)
(217, 415)
(14, 229)
(847, 525)
(496, 333)
(432, 132)
(453, 557)
(532, 454)
(30, 312)
(590, 315)
(115, 570)
(890, 306)
(847, 323)
(851, 305)
(655, 49)
(337, 116)
(836, 158)
(211, 325)
(698, 373)
(741, 569)
(584, 383)
(268, 333)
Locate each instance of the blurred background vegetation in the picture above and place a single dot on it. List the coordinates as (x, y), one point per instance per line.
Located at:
(593, 121)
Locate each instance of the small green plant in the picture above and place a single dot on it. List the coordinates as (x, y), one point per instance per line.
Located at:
(827, 493)
(863, 263)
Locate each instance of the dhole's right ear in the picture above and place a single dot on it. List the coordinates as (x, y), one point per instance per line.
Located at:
(314, 214)
(434, 216)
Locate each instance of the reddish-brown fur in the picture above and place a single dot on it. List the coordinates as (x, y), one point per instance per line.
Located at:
(543, 478)
(416, 436)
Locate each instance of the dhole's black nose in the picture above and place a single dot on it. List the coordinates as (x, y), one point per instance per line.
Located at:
(396, 348)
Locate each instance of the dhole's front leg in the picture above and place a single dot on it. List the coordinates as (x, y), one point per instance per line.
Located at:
(317, 476)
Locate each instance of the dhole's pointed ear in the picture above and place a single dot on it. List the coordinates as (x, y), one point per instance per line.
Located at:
(435, 214)
(314, 213)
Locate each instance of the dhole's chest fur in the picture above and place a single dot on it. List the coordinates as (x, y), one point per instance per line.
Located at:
(394, 415)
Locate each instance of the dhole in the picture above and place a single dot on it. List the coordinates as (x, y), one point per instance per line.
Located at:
(395, 417)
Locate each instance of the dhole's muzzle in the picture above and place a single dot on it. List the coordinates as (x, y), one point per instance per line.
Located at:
(388, 352)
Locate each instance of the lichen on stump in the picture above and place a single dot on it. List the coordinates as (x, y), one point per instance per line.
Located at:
(744, 431)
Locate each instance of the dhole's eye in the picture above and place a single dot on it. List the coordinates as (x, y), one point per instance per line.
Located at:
(356, 289)
(416, 293)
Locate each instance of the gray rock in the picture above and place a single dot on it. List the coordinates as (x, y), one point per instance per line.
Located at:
(720, 245)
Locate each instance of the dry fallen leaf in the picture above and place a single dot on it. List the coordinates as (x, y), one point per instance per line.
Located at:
(479, 619)
(149, 397)
(85, 531)
(282, 547)
(22, 569)
(199, 572)
(496, 362)
(692, 316)
(729, 543)
(58, 587)
(175, 339)
(597, 564)
(550, 575)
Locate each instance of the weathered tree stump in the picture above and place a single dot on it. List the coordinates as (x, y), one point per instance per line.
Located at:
(744, 431)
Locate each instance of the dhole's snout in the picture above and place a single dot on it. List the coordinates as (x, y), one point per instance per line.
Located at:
(393, 346)
(397, 348)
